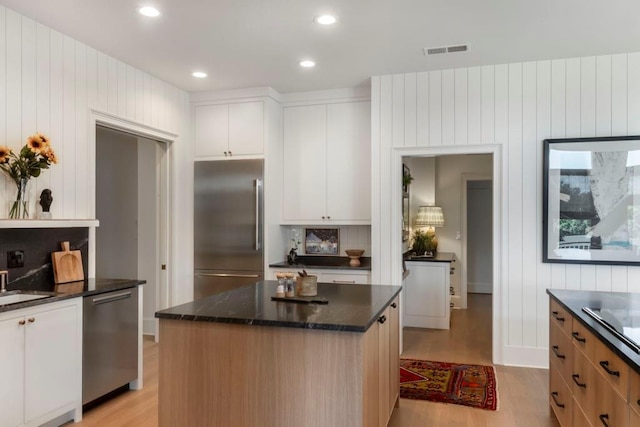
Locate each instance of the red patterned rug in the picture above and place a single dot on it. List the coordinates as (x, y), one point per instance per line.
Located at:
(469, 385)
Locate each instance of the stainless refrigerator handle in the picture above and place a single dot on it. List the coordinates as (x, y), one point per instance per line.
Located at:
(258, 189)
(248, 276)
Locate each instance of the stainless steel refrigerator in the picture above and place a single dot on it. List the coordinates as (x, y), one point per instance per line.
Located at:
(228, 225)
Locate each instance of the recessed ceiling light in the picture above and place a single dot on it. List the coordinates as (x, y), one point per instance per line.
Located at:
(326, 20)
(199, 74)
(149, 11)
(307, 64)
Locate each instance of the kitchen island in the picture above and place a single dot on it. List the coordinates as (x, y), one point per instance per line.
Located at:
(241, 359)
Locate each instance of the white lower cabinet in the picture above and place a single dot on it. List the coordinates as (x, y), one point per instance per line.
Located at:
(41, 355)
(426, 295)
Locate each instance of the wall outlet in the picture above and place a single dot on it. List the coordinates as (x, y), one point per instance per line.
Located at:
(458, 235)
(15, 259)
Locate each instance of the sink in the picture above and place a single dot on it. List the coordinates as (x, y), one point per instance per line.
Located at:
(14, 297)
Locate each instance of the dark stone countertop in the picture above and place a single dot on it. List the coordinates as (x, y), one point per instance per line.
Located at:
(438, 257)
(74, 289)
(573, 301)
(351, 307)
(324, 262)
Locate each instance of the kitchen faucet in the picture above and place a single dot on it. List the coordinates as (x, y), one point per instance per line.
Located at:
(4, 278)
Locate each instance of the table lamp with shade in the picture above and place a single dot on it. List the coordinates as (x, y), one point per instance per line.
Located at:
(430, 217)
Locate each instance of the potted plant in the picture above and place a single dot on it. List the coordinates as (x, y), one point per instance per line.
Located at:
(420, 242)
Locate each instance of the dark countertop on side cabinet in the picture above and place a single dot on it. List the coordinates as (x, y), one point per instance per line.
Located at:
(351, 307)
(439, 257)
(324, 262)
(75, 289)
(573, 301)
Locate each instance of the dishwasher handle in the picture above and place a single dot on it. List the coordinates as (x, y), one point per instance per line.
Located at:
(110, 298)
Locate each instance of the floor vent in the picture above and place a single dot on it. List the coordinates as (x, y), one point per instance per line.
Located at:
(446, 49)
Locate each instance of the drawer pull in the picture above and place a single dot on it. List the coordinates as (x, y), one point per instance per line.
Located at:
(575, 380)
(557, 352)
(576, 336)
(394, 305)
(382, 319)
(553, 396)
(638, 402)
(605, 366)
(556, 316)
(603, 419)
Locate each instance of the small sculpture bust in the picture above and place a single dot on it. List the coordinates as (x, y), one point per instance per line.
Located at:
(46, 199)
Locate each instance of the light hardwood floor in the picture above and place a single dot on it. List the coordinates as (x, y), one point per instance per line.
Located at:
(522, 392)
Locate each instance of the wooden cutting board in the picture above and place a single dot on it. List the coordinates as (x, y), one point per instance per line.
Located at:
(67, 265)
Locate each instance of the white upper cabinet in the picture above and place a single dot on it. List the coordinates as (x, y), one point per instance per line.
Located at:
(228, 130)
(305, 153)
(327, 164)
(349, 161)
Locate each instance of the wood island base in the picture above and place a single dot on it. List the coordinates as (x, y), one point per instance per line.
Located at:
(222, 374)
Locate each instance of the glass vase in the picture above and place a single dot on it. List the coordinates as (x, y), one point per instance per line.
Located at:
(19, 208)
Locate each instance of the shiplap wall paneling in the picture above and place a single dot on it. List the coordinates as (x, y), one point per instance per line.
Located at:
(48, 84)
(435, 108)
(422, 109)
(514, 202)
(410, 110)
(460, 102)
(474, 110)
(543, 131)
(487, 95)
(530, 167)
(517, 106)
(558, 119)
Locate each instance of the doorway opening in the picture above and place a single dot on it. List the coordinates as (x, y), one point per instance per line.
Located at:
(131, 192)
(442, 179)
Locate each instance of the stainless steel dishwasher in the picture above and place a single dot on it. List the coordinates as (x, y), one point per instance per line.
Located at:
(110, 342)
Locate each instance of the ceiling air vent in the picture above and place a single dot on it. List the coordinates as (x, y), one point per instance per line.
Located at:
(446, 49)
(461, 48)
(435, 50)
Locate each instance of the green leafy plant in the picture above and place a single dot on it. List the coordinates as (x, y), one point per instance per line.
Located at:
(406, 179)
(420, 242)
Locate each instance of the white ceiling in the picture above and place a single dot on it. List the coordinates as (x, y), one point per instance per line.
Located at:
(250, 43)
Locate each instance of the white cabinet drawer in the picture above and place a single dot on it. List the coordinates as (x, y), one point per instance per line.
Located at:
(346, 278)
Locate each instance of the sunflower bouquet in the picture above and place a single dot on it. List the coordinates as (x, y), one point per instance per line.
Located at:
(36, 155)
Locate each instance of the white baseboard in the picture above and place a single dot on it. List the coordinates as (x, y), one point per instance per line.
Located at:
(149, 326)
(526, 357)
(479, 288)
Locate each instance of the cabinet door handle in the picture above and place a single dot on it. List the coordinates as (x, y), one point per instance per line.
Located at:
(556, 316)
(328, 217)
(603, 419)
(605, 366)
(31, 319)
(22, 322)
(225, 153)
(230, 153)
(575, 380)
(554, 395)
(322, 217)
(394, 305)
(382, 319)
(556, 351)
(576, 336)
